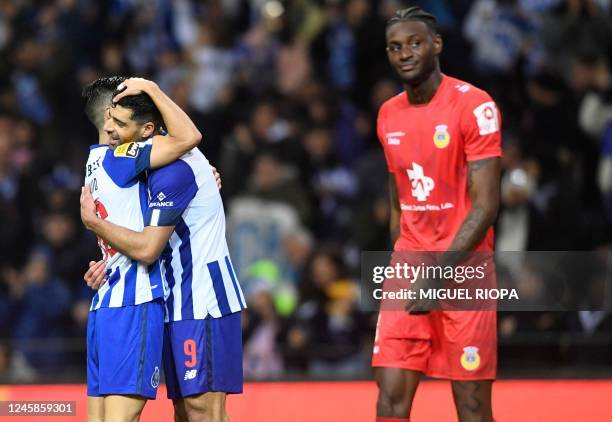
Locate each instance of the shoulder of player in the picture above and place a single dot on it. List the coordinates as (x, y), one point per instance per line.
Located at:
(467, 93)
(176, 171)
(96, 151)
(128, 150)
(390, 104)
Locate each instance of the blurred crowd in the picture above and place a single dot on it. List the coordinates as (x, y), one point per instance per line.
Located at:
(286, 94)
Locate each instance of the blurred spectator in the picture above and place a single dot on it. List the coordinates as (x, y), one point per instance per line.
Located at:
(44, 303)
(213, 65)
(15, 205)
(269, 209)
(13, 367)
(272, 181)
(59, 234)
(334, 185)
(298, 247)
(256, 54)
(328, 323)
(499, 33)
(262, 356)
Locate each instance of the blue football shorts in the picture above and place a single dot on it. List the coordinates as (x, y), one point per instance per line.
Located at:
(203, 355)
(124, 350)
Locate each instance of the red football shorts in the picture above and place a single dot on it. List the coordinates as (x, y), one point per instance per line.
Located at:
(455, 345)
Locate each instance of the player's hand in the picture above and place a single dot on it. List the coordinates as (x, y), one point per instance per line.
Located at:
(95, 276)
(421, 306)
(217, 177)
(88, 207)
(133, 86)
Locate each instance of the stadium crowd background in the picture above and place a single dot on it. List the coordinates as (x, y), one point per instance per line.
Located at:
(286, 94)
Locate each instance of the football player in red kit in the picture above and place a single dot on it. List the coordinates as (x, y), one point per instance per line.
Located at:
(442, 142)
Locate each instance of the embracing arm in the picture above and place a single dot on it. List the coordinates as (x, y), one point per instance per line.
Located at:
(483, 185)
(145, 246)
(182, 134)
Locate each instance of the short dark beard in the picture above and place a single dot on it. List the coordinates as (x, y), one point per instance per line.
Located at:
(422, 77)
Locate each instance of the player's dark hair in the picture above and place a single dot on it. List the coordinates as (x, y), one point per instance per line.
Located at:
(143, 109)
(98, 96)
(414, 13)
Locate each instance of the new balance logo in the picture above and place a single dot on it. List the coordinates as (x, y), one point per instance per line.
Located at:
(190, 374)
(421, 184)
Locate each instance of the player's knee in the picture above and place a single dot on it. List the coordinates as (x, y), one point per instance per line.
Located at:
(94, 417)
(197, 411)
(391, 404)
(473, 400)
(205, 411)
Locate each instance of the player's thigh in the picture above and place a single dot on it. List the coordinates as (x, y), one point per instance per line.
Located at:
(402, 341)
(95, 409)
(396, 389)
(473, 400)
(124, 408)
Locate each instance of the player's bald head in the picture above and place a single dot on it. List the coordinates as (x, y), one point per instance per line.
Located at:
(98, 96)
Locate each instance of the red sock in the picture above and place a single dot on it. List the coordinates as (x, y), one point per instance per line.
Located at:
(381, 419)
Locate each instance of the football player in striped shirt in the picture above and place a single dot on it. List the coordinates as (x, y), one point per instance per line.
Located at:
(125, 326)
(185, 225)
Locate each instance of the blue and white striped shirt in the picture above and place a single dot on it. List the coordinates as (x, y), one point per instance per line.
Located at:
(196, 262)
(121, 199)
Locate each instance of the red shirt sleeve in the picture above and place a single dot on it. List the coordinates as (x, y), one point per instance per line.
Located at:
(481, 127)
(381, 130)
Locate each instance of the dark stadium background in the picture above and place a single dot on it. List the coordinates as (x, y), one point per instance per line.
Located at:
(286, 95)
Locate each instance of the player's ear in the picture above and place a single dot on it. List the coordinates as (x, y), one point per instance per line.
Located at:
(438, 44)
(147, 130)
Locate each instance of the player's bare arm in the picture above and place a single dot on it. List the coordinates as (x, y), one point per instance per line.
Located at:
(182, 134)
(145, 246)
(394, 206)
(483, 186)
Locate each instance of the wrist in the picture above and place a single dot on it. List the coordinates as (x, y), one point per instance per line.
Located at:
(151, 88)
(93, 223)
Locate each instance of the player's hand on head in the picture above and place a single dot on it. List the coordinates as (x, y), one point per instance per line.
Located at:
(217, 177)
(88, 206)
(95, 276)
(132, 86)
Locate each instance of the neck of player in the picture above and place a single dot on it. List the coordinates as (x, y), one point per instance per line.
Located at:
(422, 92)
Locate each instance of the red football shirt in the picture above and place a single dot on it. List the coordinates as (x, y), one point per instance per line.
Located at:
(427, 148)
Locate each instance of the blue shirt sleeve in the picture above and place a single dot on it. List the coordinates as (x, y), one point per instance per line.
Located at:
(126, 162)
(171, 189)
